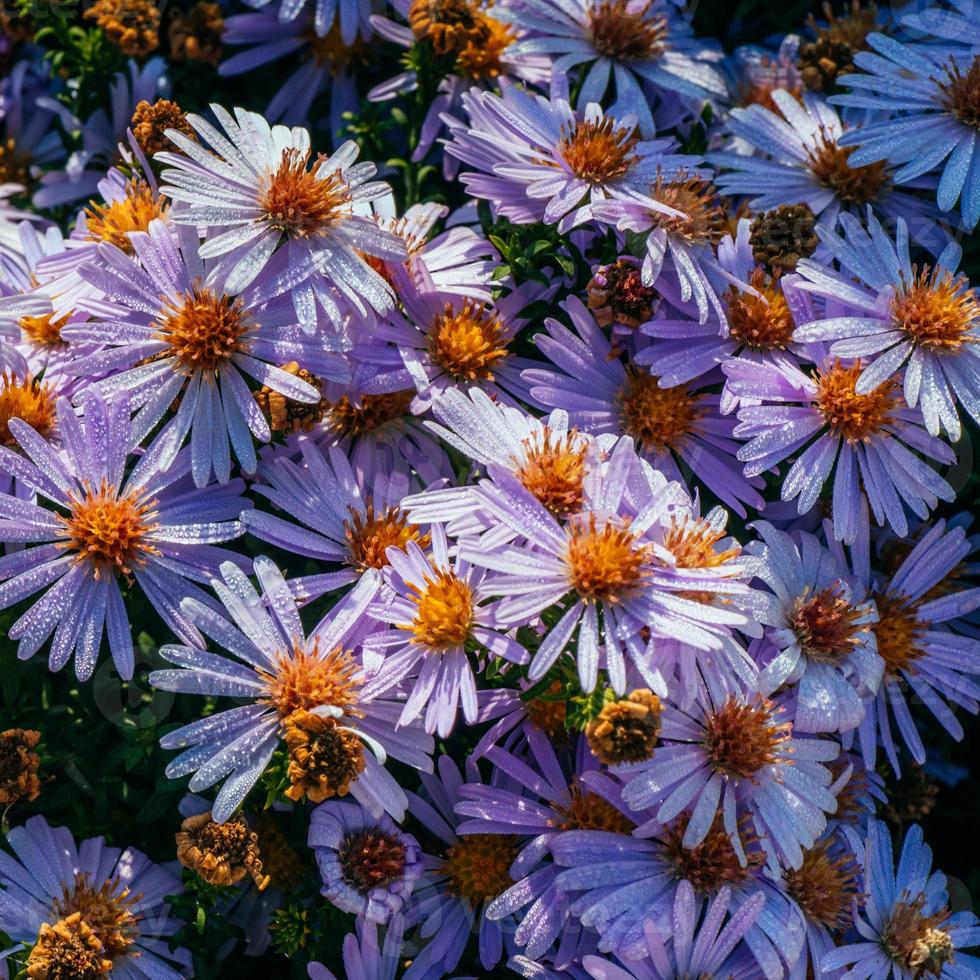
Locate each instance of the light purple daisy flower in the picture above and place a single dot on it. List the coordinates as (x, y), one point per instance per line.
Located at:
(903, 320)
(255, 191)
(620, 586)
(681, 425)
(819, 632)
(169, 331)
(297, 687)
(703, 941)
(873, 444)
(50, 878)
(367, 955)
(537, 160)
(734, 758)
(440, 620)
(799, 160)
(906, 929)
(638, 45)
(368, 865)
(930, 127)
(98, 526)
(920, 651)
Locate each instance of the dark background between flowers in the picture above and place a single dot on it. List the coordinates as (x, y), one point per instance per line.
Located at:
(101, 761)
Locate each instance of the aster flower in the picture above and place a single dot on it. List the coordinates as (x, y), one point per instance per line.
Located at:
(756, 72)
(97, 527)
(872, 443)
(704, 941)
(94, 908)
(738, 757)
(366, 955)
(929, 95)
(171, 332)
(305, 690)
(640, 45)
(331, 515)
(601, 394)
(894, 314)
(820, 633)
(440, 619)
(906, 929)
(367, 864)
(800, 160)
(916, 609)
(256, 191)
(622, 587)
(539, 161)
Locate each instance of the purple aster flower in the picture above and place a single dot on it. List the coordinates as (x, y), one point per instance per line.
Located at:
(102, 133)
(94, 907)
(906, 929)
(368, 866)
(170, 332)
(331, 515)
(620, 585)
(873, 443)
(539, 161)
(642, 45)
(98, 526)
(307, 691)
(799, 160)
(627, 884)
(473, 870)
(535, 799)
(256, 191)
(703, 942)
(734, 758)
(918, 323)
(928, 93)
(366, 955)
(819, 632)
(920, 651)
(670, 426)
(756, 72)
(436, 606)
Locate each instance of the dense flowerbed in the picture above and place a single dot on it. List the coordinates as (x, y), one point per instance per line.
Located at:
(485, 489)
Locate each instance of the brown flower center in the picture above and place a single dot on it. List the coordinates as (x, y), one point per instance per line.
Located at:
(26, 399)
(624, 35)
(762, 320)
(195, 35)
(899, 633)
(150, 123)
(18, 765)
(308, 680)
(14, 168)
(372, 859)
(221, 854)
(741, 738)
(911, 797)
(713, 863)
(824, 886)
(831, 53)
(553, 469)
(599, 151)
(301, 202)
(705, 220)
(854, 417)
(204, 330)
(852, 185)
(448, 25)
(589, 811)
(280, 861)
(936, 310)
(604, 563)
(626, 730)
(67, 950)
(371, 534)
(548, 711)
(332, 51)
(131, 25)
(108, 531)
(961, 92)
(657, 418)
(372, 413)
(113, 222)
(781, 237)
(324, 759)
(468, 344)
(444, 612)
(285, 414)
(617, 295)
(478, 866)
(826, 624)
(107, 910)
(915, 941)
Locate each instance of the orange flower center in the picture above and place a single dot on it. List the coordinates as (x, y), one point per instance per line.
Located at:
(302, 203)
(448, 25)
(113, 222)
(443, 612)
(468, 344)
(131, 25)
(548, 712)
(604, 563)
(45, 330)
(704, 221)
(553, 469)
(203, 329)
(761, 322)
(824, 886)
(150, 123)
(26, 399)
(589, 811)
(623, 32)
(369, 535)
(599, 152)
(899, 633)
(936, 310)
(478, 866)
(480, 58)
(915, 941)
(305, 681)
(371, 414)
(713, 863)
(657, 418)
(852, 185)
(107, 910)
(741, 739)
(854, 417)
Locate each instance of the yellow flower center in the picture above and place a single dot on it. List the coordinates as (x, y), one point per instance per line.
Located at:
(586, 810)
(204, 330)
(478, 866)
(26, 399)
(107, 910)
(443, 612)
(113, 222)
(599, 152)
(44, 330)
(67, 950)
(301, 203)
(626, 730)
(553, 469)
(741, 738)
(854, 417)
(604, 563)
(307, 680)
(448, 25)
(324, 759)
(480, 57)
(469, 343)
(371, 534)
(657, 418)
(195, 35)
(936, 310)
